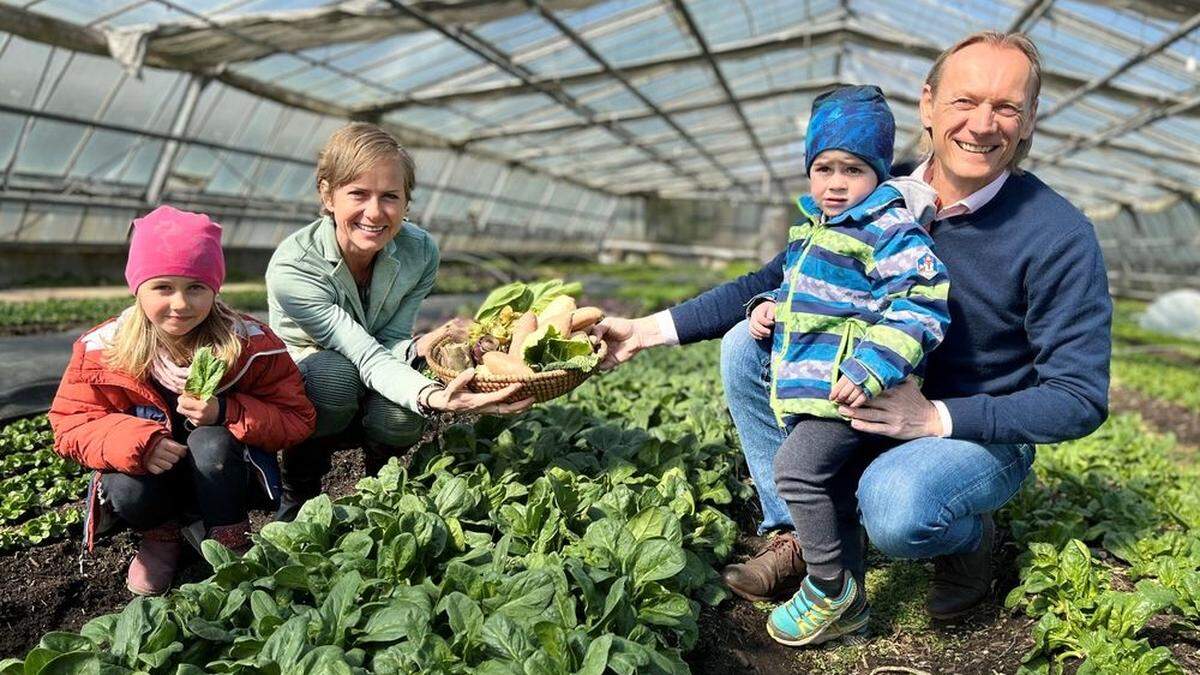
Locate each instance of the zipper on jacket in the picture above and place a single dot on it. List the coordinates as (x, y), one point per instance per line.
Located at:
(813, 230)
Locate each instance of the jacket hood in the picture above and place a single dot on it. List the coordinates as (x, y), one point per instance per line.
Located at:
(919, 198)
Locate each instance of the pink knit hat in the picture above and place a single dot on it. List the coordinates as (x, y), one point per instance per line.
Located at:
(170, 242)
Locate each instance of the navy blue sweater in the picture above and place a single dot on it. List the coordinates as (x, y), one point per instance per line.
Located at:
(1026, 357)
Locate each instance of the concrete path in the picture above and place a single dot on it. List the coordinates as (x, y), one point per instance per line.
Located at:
(31, 365)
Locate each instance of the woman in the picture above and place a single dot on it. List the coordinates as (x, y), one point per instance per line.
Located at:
(343, 294)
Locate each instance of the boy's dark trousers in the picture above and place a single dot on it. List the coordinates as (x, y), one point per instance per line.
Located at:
(816, 472)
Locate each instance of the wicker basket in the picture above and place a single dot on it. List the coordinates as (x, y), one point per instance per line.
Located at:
(541, 386)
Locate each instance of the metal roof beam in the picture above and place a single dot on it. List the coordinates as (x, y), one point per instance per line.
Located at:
(682, 10)
(799, 37)
(1189, 102)
(1029, 15)
(1145, 53)
(811, 36)
(587, 48)
(87, 40)
(539, 128)
(485, 50)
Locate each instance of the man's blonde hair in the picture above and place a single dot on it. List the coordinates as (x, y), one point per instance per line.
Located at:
(353, 150)
(138, 341)
(1018, 41)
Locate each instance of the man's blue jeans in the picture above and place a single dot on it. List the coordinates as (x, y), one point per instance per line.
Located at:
(920, 499)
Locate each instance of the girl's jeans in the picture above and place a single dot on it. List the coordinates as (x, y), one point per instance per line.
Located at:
(920, 499)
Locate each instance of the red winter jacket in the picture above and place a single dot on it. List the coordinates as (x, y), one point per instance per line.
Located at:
(93, 412)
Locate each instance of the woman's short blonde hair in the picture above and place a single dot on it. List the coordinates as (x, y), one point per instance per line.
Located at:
(1018, 41)
(353, 150)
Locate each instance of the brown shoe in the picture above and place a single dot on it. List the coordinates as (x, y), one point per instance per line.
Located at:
(962, 581)
(234, 537)
(153, 568)
(775, 571)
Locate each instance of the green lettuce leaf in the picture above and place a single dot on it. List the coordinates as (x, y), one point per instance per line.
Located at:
(205, 374)
(516, 295)
(553, 352)
(546, 291)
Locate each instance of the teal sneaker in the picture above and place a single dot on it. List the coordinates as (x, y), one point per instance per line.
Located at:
(811, 618)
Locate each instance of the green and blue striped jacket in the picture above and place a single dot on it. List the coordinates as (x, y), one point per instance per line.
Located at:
(863, 295)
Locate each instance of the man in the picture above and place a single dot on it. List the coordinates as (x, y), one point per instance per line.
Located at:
(1025, 359)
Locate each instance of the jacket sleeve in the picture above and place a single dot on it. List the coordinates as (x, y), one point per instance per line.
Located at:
(396, 336)
(712, 313)
(273, 413)
(304, 296)
(914, 286)
(1069, 323)
(91, 430)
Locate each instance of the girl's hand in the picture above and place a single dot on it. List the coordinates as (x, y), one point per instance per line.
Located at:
(762, 320)
(163, 455)
(847, 393)
(199, 413)
(457, 398)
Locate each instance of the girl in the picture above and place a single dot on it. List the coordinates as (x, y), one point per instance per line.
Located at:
(163, 456)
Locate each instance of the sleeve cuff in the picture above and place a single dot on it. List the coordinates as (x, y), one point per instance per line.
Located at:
(666, 326)
(944, 414)
(857, 373)
(758, 300)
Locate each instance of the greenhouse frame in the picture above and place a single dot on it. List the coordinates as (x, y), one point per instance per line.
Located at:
(561, 127)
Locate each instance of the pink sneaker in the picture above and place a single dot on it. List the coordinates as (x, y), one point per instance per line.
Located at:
(153, 568)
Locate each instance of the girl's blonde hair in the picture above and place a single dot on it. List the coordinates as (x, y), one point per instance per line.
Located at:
(353, 150)
(138, 340)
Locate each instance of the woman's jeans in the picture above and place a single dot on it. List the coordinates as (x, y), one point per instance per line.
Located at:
(920, 499)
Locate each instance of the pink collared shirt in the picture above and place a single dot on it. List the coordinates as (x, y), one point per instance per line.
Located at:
(969, 204)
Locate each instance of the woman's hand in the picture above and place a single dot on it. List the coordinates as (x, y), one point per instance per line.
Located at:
(456, 328)
(164, 455)
(457, 398)
(762, 320)
(199, 413)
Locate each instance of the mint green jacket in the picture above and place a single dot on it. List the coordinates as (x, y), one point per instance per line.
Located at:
(314, 304)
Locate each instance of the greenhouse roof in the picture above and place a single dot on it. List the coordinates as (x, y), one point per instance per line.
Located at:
(675, 97)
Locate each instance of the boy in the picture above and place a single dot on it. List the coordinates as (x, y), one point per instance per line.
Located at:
(862, 303)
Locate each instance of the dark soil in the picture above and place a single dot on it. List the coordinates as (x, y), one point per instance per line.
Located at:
(1162, 415)
(54, 587)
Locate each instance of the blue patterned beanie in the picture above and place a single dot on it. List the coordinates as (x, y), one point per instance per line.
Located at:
(854, 119)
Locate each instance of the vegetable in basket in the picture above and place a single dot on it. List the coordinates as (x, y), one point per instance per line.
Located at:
(521, 329)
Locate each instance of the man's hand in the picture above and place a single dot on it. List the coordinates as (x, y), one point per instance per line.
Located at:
(199, 413)
(163, 455)
(456, 328)
(762, 320)
(902, 412)
(847, 393)
(626, 337)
